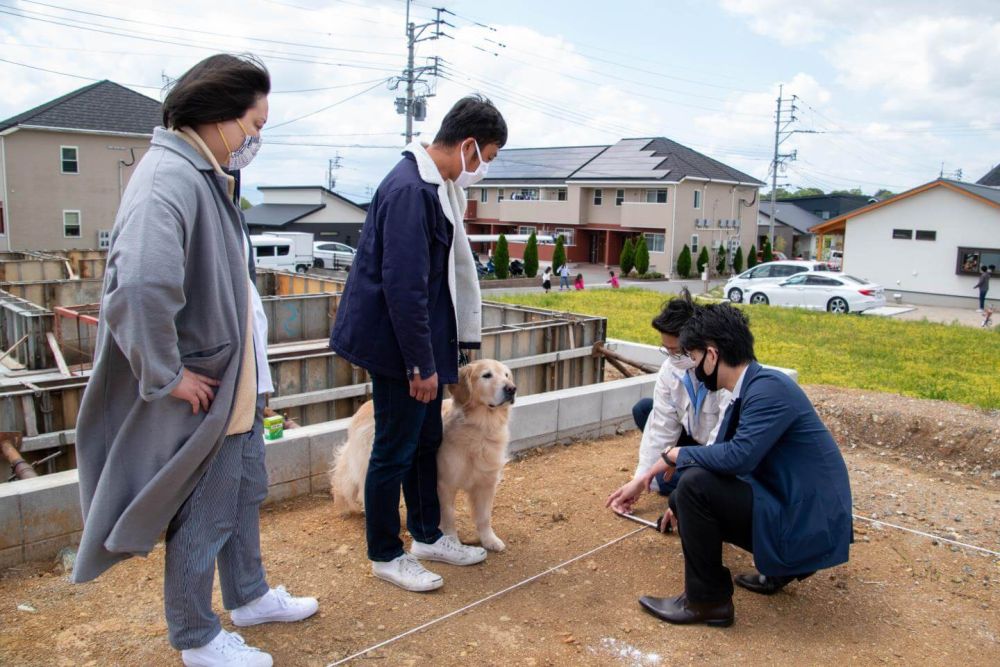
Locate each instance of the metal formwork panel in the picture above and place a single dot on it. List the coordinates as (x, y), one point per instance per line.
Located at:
(51, 293)
(29, 270)
(299, 318)
(19, 319)
(283, 283)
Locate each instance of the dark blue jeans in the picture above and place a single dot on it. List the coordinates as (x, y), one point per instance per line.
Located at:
(407, 437)
(640, 413)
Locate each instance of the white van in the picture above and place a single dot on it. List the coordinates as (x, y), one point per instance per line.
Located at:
(302, 248)
(272, 252)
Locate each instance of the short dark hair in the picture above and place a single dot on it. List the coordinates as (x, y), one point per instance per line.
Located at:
(473, 116)
(723, 327)
(983, 268)
(675, 314)
(220, 87)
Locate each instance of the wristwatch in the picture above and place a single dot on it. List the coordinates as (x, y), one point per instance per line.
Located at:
(413, 373)
(666, 458)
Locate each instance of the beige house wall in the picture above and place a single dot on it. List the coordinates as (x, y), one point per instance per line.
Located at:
(38, 193)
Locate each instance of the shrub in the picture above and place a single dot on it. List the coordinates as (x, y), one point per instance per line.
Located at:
(738, 260)
(684, 262)
(641, 256)
(720, 263)
(531, 256)
(501, 259)
(627, 259)
(558, 255)
(702, 260)
(768, 255)
(752, 257)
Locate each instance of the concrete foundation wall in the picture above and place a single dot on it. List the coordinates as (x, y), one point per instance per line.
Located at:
(40, 516)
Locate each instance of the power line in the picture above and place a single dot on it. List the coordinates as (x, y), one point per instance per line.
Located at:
(330, 106)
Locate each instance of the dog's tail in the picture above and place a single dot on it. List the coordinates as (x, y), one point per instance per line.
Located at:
(350, 466)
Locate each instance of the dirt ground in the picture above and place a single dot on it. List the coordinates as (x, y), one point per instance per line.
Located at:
(902, 599)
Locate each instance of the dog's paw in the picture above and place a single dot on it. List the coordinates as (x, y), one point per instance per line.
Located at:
(492, 543)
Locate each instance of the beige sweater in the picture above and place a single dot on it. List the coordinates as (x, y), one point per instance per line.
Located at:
(245, 399)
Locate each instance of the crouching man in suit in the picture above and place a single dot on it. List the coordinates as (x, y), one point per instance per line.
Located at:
(774, 483)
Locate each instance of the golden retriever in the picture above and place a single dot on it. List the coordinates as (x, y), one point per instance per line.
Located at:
(472, 454)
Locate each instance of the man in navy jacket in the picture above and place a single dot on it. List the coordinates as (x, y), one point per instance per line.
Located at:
(774, 482)
(411, 302)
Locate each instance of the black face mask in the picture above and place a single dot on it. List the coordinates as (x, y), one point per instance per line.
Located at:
(711, 382)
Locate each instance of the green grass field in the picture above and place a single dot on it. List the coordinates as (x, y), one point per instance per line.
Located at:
(922, 359)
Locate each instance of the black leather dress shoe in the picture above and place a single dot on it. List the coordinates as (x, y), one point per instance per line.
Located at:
(682, 611)
(759, 583)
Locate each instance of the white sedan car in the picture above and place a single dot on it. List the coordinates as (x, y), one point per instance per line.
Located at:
(821, 290)
(332, 255)
(741, 286)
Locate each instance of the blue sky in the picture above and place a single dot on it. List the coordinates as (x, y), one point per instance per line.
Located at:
(892, 88)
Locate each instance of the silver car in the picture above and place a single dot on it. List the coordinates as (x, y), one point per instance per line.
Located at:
(739, 286)
(332, 255)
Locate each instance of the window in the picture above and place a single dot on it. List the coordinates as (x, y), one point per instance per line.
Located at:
(926, 235)
(694, 245)
(619, 197)
(71, 224)
(796, 280)
(598, 197)
(697, 198)
(484, 195)
(971, 260)
(70, 159)
(902, 234)
(561, 194)
(264, 250)
(284, 250)
(527, 231)
(657, 197)
(499, 194)
(821, 281)
(761, 271)
(569, 236)
(825, 215)
(526, 194)
(654, 242)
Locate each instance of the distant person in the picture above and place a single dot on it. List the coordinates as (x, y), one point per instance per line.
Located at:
(983, 285)
(578, 284)
(613, 280)
(563, 272)
(547, 279)
(170, 436)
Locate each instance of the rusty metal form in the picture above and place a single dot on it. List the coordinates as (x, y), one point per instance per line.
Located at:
(81, 263)
(75, 328)
(32, 269)
(25, 325)
(51, 293)
(284, 283)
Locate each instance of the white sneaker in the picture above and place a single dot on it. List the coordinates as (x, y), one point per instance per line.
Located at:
(406, 572)
(448, 550)
(227, 650)
(274, 606)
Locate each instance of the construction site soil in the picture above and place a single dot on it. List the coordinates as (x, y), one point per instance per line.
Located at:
(901, 599)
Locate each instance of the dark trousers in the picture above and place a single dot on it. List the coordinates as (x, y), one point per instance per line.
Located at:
(711, 509)
(640, 413)
(982, 300)
(407, 438)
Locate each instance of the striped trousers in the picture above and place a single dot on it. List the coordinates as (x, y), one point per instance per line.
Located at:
(218, 523)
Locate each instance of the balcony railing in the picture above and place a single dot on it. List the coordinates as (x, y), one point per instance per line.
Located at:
(546, 211)
(646, 215)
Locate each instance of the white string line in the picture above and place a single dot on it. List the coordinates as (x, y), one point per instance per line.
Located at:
(485, 599)
(877, 522)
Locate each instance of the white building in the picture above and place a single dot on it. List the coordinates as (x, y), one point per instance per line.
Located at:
(927, 244)
(315, 209)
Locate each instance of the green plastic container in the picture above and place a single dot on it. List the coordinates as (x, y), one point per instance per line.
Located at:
(274, 427)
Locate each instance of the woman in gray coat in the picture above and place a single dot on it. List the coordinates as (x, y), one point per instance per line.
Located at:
(169, 436)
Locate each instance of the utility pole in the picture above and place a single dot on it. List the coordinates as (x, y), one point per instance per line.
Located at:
(332, 165)
(784, 116)
(413, 106)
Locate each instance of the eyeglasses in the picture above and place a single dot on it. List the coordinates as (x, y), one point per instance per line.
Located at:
(673, 356)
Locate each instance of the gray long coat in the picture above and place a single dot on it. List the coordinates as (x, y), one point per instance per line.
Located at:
(174, 296)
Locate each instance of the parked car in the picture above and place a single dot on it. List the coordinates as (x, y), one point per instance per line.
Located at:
(332, 255)
(302, 248)
(821, 290)
(272, 252)
(837, 259)
(770, 272)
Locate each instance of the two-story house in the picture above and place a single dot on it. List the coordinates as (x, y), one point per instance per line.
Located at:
(315, 209)
(64, 165)
(598, 196)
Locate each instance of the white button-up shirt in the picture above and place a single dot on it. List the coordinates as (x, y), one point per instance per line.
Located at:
(264, 383)
(680, 402)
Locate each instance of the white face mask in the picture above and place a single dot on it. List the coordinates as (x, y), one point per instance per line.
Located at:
(467, 178)
(245, 152)
(685, 363)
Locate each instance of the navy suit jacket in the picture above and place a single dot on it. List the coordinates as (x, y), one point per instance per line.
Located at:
(801, 491)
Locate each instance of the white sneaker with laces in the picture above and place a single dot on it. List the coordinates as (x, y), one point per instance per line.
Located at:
(274, 606)
(406, 572)
(227, 650)
(448, 550)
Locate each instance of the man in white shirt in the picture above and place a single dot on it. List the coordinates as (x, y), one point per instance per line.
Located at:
(682, 412)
